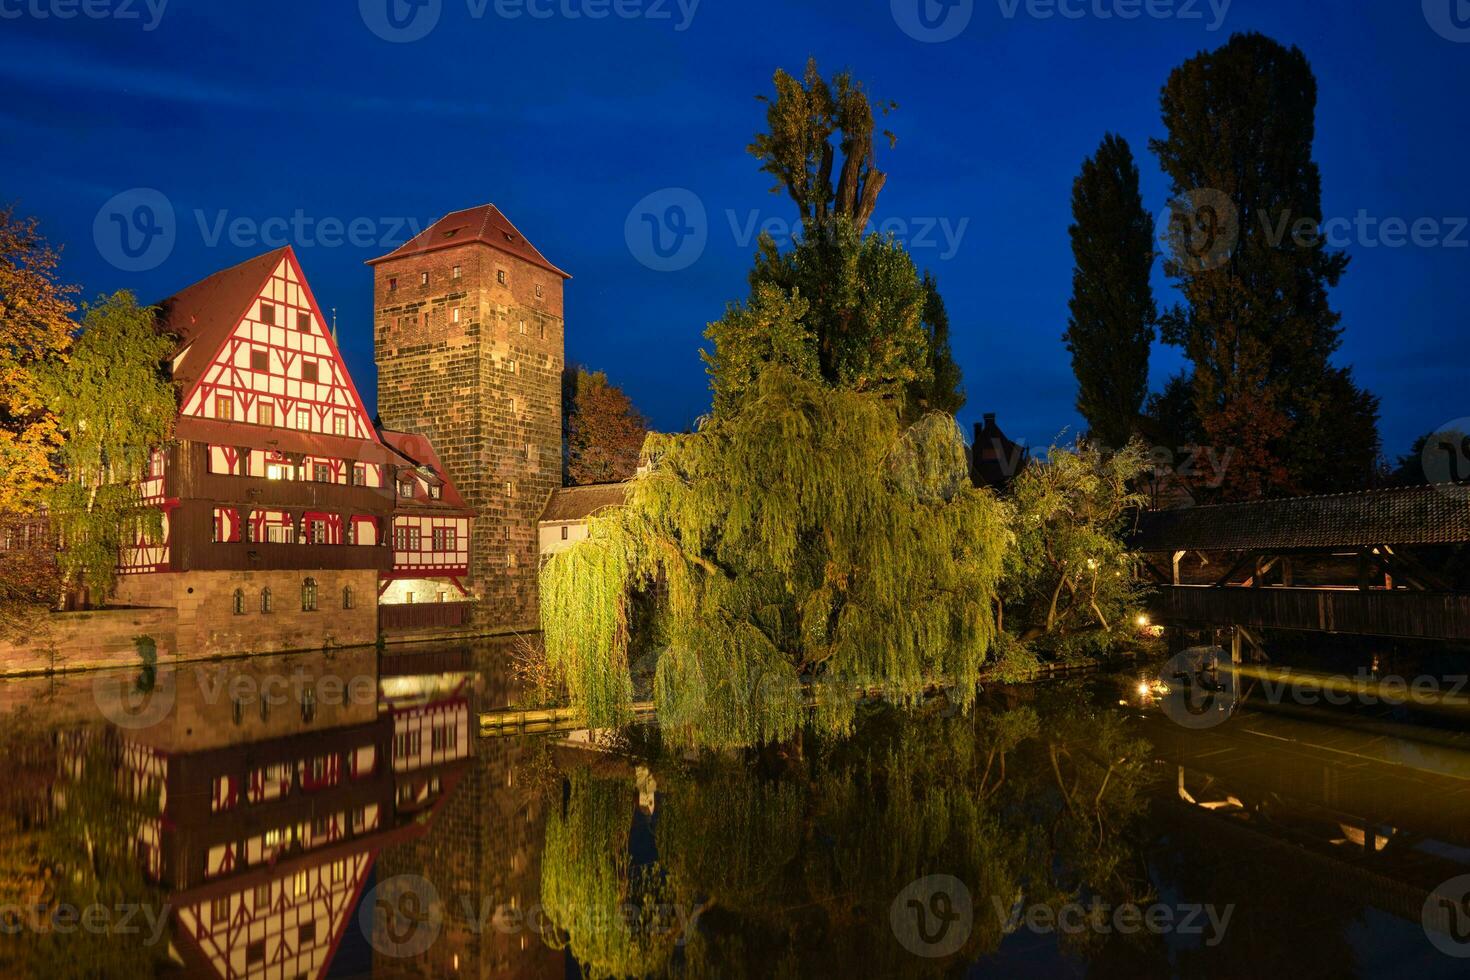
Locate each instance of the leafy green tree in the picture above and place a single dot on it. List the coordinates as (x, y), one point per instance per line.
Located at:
(1069, 587)
(1254, 270)
(115, 406)
(1112, 305)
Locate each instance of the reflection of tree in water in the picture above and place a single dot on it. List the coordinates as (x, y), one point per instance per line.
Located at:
(793, 857)
(71, 844)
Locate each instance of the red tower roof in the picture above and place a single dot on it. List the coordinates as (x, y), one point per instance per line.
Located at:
(484, 224)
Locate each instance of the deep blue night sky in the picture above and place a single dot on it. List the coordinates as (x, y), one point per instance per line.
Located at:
(262, 110)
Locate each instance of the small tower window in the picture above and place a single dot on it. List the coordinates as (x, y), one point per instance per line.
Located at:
(523, 326)
(500, 276)
(392, 284)
(454, 315)
(308, 595)
(539, 291)
(423, 278)
(349, 601)
(265, 599)
(456, 273)
(239, 602)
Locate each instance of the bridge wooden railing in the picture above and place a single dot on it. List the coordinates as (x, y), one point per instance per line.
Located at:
(1399, 613)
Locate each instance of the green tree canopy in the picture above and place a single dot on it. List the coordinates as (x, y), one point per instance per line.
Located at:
(1112, 305)
(115, 406)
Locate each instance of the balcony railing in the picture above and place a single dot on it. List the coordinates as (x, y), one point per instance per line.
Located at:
(423, 615)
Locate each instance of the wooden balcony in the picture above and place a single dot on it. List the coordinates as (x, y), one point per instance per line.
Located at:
(398, 617)
(1373, 612)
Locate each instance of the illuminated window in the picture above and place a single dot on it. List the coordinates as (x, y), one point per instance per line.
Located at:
(219, 910)
(239, 602)
(510, 559)
(268, 314)
(310, 371)
(435, 492)
(265, 413)
(321, 473)
(224, 407)
(407, 538)
(260, 360)
(308, 595)
(454, 315)
(280, 471)
(423, 278)
(500, 276)
(523, 326)
(339, 424)
(303, 418)
(408, 598)
(455, 273)
(510, 489)
(405, 489)
(444, 539)
(265, 600)
(349, 601)
(318, 531)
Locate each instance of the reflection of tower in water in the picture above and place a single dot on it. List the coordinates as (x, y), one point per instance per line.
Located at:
(483, 856)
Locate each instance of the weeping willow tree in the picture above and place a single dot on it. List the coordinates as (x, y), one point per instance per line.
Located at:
(803, 546)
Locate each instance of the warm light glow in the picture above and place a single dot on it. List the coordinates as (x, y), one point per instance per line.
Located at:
(1142, 621)
(1143, 688)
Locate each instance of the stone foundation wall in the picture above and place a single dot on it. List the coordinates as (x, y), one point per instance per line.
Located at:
(207, 624)
(83, 640)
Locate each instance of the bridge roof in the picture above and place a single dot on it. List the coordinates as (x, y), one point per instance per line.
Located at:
(1399, 515)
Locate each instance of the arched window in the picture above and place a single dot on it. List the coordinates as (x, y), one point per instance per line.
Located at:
(349, 601)
(239, 602)
(308, 595)
(265, 600)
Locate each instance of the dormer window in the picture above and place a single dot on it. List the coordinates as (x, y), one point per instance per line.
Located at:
(405, 489)
(435, 492)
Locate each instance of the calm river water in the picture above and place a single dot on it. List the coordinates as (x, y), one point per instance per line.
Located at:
(339, 815)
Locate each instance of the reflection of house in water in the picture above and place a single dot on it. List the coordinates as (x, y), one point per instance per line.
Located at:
(282, 779)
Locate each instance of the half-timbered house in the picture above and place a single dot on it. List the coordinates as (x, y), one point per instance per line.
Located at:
(279, 495)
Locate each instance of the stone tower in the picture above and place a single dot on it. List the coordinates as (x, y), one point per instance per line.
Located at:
(468, 335)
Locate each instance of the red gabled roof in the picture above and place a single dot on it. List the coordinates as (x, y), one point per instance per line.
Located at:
(418, 451)
(204, 314)
(485, 224)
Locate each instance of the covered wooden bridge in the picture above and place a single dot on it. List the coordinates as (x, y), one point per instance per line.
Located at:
(1391, 563)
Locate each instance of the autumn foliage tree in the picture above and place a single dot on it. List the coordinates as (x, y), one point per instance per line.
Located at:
(34, 331)
(605, 432)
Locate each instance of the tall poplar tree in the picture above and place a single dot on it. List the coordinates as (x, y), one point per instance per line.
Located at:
(1112, 306)
(1254, 271)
